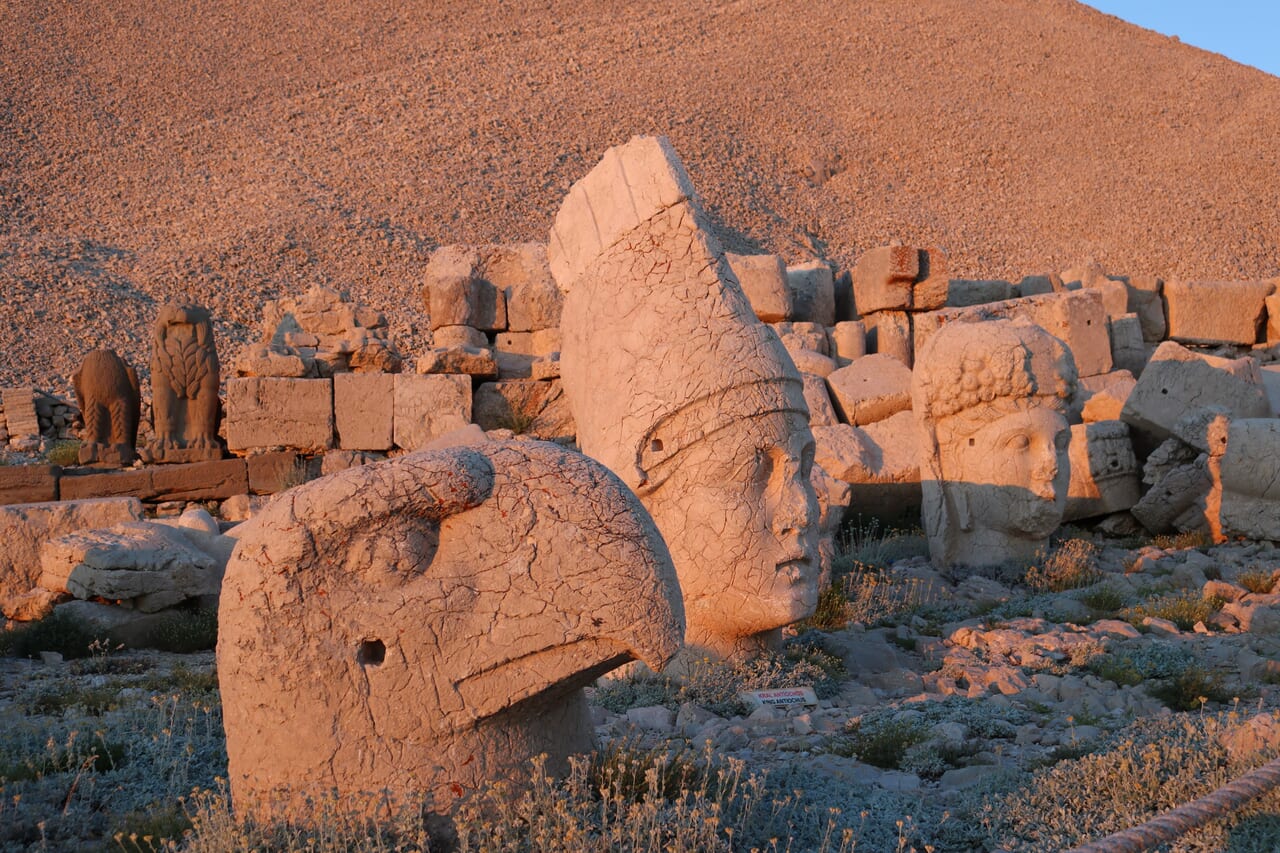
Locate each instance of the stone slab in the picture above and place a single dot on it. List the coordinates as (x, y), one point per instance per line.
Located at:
(427, 406)
(525, 406)
(28, 484)
(870, 389)
(363, 410)
(266, 413)
(20, 411)
(201, 481)
(1216, 312)
(764, 281)
(270, 473)
(134, 482)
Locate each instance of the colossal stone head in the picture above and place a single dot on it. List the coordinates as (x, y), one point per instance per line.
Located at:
(418, 626)
(992, 400)
(681, 392)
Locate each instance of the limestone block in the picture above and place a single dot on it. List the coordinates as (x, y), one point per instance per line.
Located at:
(809, 336)
(817, 398)
(871, 389)
(148, 565)
(520, 343)
(1177, 380)
(1273, 318)
(1216, 312)
(1104, 470)
(886, 483)
(525, 406)
(275, 471)
(546, 342)
(363, 409)
(545, 368)
(1128, 350)
(845, 310)
(459, 336)
(808, 361)
(1036, 285)
(962, 292)
(683, 393)
(265, 413)
(457, 293)
(900, 278)
(848, 341)
(26, 484)
(812, 287)
(843, 452)
(1244, 466)
(201, 481)
(469, 595)
(20, 411)
(632, 184)
(476, 362)
(24, 527)
(1144, 299)
(891, 333)
(133, 482)
(764, 280)
(1270, 374)
(1075, 317)
(1106, 403)
(427, 406)
(1177, 501)
(521, 272)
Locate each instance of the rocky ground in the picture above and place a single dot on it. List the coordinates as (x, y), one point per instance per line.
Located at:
(1003, 710)
(247, 153)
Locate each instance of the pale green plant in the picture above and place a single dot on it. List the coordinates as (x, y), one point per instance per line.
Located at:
(1072, 565)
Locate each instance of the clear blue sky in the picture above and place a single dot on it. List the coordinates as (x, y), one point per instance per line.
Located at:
(1247, 31)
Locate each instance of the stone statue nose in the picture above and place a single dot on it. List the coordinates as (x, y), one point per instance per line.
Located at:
(792, 514)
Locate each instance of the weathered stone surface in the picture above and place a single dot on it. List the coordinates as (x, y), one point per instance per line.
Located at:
(525, 406)
(363, 409)
(816, 397)
(149, 565)
(133, 482)
(1128, 350)
(275, 471)
(457, 291)
(680, 391)
(20, 416)
(1104, 471)
(1244, 465)
(812, 286)
(1091, 276)
(894, 448)
(475, 362)
(1144, 299)
(319, 335)
(1216, 312)
(900, 278)
(1076, 317)
(871, 389)
(184, 387)
(436, 633)
(809, 336)
(764, 280)
(1107, 395)
(1036, 285)
(1176, 500)
(533, 300)
(28, 484)
(264, 413)
(848, 341)
(110, 401)
(1177, 380)
(459, 336)
(963, 292)
(427, 406)
(30, 606)
(991, 399)
(808, 361)
(1270, 375)
(892, 333)
(843, 452)
(24, 527)
(201, 481)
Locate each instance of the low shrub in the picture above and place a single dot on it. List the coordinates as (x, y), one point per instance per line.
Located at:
(1190, 689)
(883, 742)
(1103, 599)
(1258, 581)
(57, 632)
(1072, 566)
(64, 452)
(1183, 609)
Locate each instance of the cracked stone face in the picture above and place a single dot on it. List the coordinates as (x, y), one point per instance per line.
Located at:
(678, 388)
(421, 625)
(992, 399)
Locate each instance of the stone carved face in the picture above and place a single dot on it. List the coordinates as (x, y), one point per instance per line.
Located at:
(740, 520)
(1012, 474)
(991, 399)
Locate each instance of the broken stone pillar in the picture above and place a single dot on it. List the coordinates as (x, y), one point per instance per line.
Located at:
(1244, 465)
(764, 280)
(812, 286)
(110, 402)
(1104, 471)
(682, 392)
(900, 278)
(992, 400)
(1128, 350)
(891, 333)
(433, 619)
(1177, 380)
(184, 387)
(871, 389)
(848, 342)
(1216, 312)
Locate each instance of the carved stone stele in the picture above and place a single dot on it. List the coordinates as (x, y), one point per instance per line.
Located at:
(678, 388)
(184, 387)
(424, 624)
(110, 402)
(992, 400)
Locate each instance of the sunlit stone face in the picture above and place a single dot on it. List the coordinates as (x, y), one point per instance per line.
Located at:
(740, 520)
(1013, 473)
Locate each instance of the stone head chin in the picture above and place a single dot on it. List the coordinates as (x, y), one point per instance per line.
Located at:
(740, 520)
